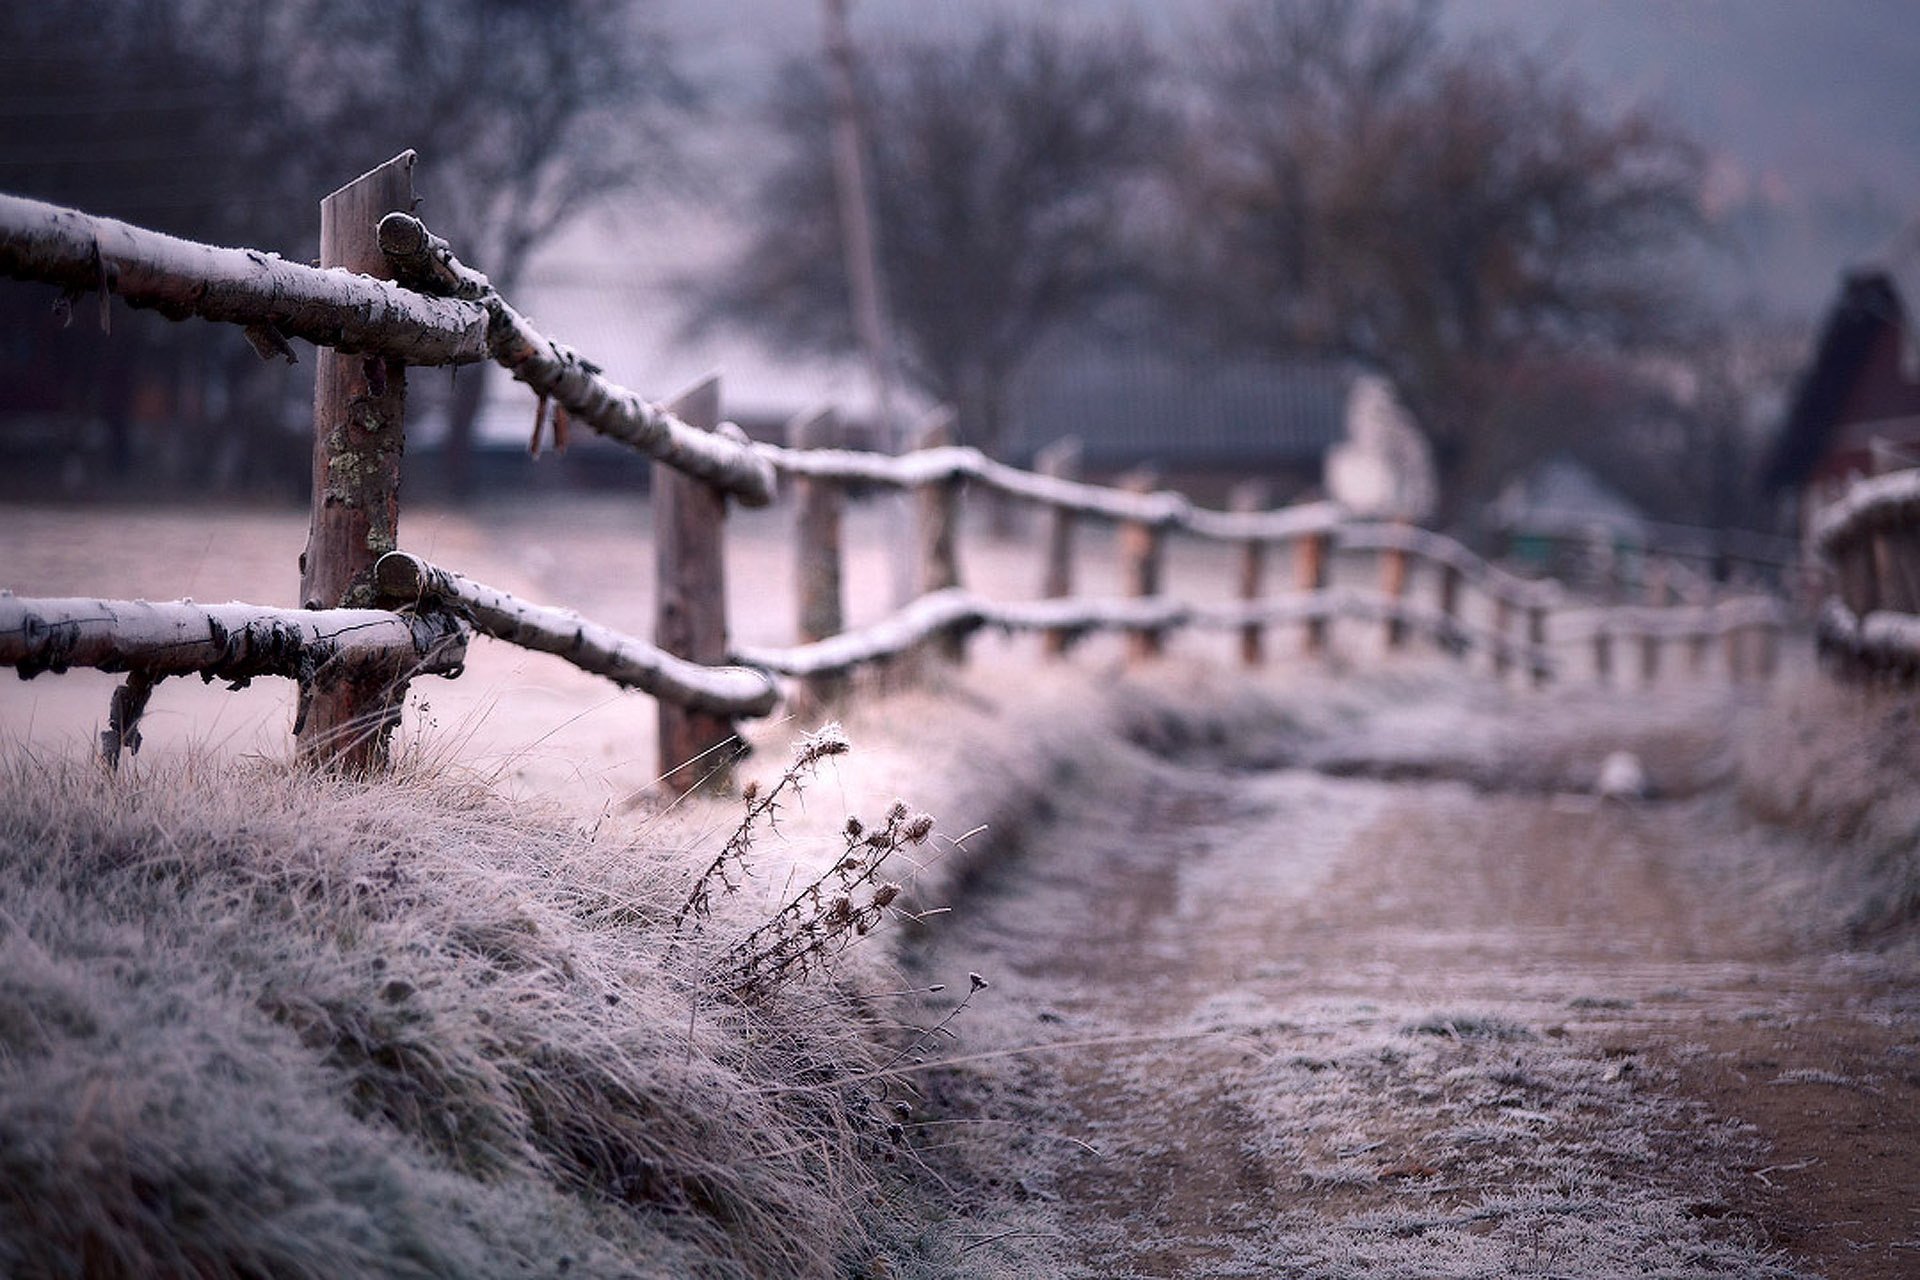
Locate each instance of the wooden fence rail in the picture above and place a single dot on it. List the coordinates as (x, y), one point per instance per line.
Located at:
(352, 663)
(1872, 537)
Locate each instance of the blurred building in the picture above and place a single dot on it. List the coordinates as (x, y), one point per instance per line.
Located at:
(1205, 421)
(1856, 410)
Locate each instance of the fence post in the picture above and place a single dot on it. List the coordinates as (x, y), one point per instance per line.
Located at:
(1503, 634)
(818, 503)
(1537, 643)
(1393, 585)
(1603, 651)
(690, 604)
(1140, 555)
(1061, 460)
(1310, 574)
(1248, 496)
(1658, 594)
(937, 512)
(1451, 636)
(359, 434)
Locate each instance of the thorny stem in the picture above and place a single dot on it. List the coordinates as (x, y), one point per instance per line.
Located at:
(828, 741)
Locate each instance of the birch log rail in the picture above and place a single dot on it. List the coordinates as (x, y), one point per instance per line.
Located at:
(273, 298)
(1872, 537)
(426, 262)
(235, 642)
(623, 659)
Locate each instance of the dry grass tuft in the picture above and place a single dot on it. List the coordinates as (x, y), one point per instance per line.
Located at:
(266, 1024)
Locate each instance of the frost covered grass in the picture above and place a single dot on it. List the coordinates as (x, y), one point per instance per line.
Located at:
(257, 1023)
(1836, 762)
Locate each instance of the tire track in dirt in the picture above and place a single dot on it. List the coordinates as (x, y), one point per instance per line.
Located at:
(1424, 1028)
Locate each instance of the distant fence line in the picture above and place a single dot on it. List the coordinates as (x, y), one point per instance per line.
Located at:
(353, 663)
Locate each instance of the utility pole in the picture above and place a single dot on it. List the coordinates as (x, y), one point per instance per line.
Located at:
(860, 248)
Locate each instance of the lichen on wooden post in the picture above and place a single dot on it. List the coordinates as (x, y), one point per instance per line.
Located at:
(359, 434)
(1251, 495)
(937, 529)
(1310, 561)
(818, 504)
(1060, 461)
(697, 748)
(1141, 547)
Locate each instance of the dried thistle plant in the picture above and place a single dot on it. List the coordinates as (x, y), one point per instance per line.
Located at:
(843, 903)
(763, 808)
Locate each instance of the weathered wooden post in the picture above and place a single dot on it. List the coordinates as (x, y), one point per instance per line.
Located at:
(818, 503)
(1537, 644)
(937, 524)
(1451, 635)
(1061, 460)
(1502, 632)
(1658, 594)
(1141, 545)
(1603, 650)
(1250, 496)
(697, 748)
(1310, 574)
(359, 435)
(1393, 585)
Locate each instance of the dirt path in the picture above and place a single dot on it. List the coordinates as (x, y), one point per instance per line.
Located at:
(1424, 1012)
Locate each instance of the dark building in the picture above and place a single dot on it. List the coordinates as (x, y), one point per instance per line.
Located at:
(1205, 421)
(1856, 410)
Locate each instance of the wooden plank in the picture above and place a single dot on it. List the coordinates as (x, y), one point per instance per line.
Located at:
(1250, 496)
(1393, 585)
(260, 291)
(1058, 461)
(697, 748)
(1537, 643)
(937, 532)
(1310, 564)
(626, 660)
(359, 435)
(818, 505)
(1141, 554)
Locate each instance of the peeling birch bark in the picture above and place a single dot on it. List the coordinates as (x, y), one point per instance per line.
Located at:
(233, 642)
(262, 291)
(426, 262)
(623, 659)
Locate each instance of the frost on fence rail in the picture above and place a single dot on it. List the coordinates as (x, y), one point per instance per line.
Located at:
(954, 609)
(424, 261)
(1879, 503)
(1882, 639)
(234, 642)
(728, 691)
(273, 298)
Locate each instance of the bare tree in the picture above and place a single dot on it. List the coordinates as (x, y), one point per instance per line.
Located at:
(229, 123)
(527, 115)
(1000, 175)
(1355, 185)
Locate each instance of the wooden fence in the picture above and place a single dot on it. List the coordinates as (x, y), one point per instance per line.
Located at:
(389, 294)
(1872, 537)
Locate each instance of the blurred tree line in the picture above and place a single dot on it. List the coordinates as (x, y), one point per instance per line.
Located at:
(1324, 178)
(228, 122)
